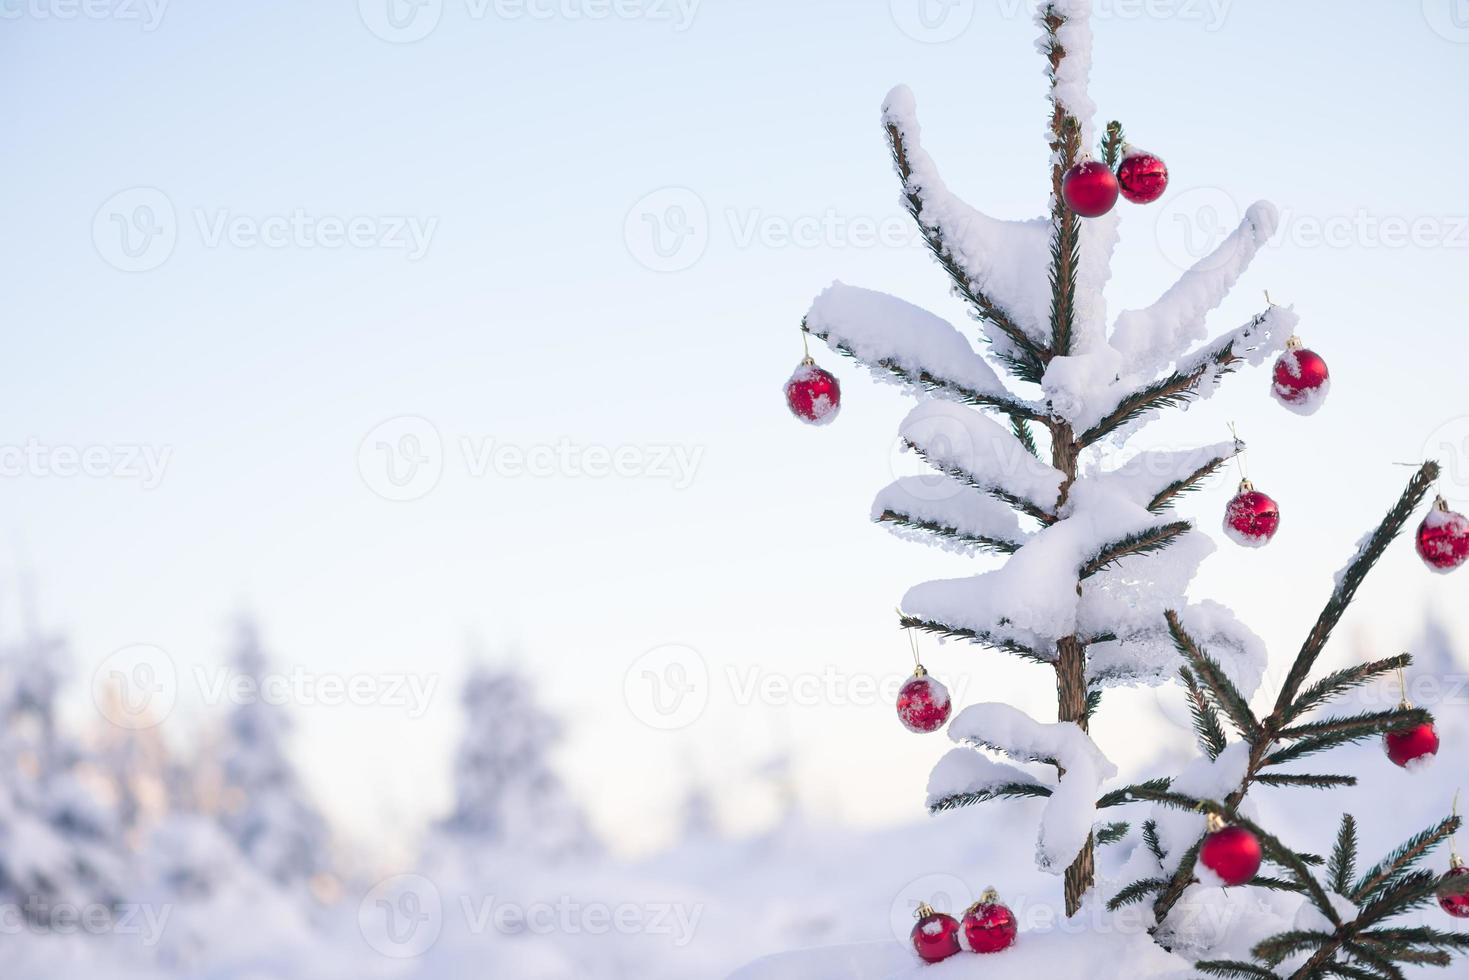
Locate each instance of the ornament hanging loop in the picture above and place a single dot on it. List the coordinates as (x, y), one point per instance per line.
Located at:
(1239, 460)
(807, 360)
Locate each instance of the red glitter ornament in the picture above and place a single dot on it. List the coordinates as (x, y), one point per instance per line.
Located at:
(1251, 518)
(1142, 177)
(989, 926)
(1301, 379)
(1089, 188)
(1232, 853)
(936, 936)
(923, 703)
(1443, 538)
(813, 394)
(1453, 890)
(1409, 745)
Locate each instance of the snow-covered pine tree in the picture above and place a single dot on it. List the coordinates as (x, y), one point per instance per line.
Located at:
(263, 807)
(507, 795)
(1093, 585)
(59, 839)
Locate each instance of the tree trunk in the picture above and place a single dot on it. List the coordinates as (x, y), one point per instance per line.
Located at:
(1071, 690)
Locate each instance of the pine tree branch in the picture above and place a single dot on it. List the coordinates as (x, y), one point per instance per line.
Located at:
(1027, 507)
(1129, 794)
(1341, 681)
(1029, 361)
(1211, 736)
(1136, 892)
(1234, 970)
(1234, 704)
(1141, 543)
(1176, 389)
(1012, 407)
(1020, 427)
(1305, 779)
(1358, 727)
(1000, 546)
(1281, 947)
(1112, 833)
(1402, 859)
(1112, 144)
(983, 638)
(1351, 579)
(1065, 230)
(1006, 791)
(1343, 866)
(1168, 496)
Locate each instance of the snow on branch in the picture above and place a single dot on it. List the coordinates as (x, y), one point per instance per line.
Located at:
(1070, 811)
(1193, 376)
(1155, 478)
(907, 344)
(943, 511)
(964, 777)
(1151, 656)
(1066, 42)
(1034, 598)
(1151, 337)
(998, 266)
(966, 445)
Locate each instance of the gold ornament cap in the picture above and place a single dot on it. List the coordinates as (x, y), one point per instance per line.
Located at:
(1295, 343)
(924, 911)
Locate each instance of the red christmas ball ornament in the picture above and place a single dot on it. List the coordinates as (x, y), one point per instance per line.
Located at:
(1089, 188)
(1301, 379)
(1411, 745)
(936, 936)
(1251, 518)
(1453, 891)
(1142, 177)
(1232, 853)
(813, 393)
(988, 925)
(923, 703)
(1443, 538)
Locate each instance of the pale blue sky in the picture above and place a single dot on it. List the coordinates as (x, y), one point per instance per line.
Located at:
(519, 147)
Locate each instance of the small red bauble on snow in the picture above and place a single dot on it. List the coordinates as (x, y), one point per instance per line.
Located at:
(1443, 538)
(1142, 177)
(989, 926)
(1089, 188)
(1232, 853)
(813, 393)
(923, 703)
(1251, 518)
(936, 936)
(1453, 890)
(1301, 379)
